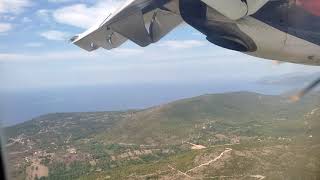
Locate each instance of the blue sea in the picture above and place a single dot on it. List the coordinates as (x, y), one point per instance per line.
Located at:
(20, 106)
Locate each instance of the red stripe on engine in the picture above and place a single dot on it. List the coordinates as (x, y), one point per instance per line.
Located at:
(312, 6)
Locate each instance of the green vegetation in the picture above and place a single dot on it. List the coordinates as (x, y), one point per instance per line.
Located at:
(267, 136)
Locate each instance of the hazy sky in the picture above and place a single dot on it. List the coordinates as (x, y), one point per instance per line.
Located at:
(35, 52)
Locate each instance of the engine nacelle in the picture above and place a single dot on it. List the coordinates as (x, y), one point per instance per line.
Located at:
(236, 9)
(263, 34)
(219, 29)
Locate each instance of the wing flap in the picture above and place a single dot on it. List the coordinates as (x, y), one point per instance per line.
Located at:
(141, 21)
(101, 37)
(133, 28)
(162, 23)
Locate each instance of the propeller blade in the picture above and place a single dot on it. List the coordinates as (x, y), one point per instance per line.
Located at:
(305, 91)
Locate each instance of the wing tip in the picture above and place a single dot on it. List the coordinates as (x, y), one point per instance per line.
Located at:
(73, 39)
(88, 46)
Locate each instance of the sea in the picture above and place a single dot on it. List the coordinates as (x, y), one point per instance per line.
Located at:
(19, 106)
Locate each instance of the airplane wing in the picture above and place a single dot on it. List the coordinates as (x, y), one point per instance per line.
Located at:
(141, 21)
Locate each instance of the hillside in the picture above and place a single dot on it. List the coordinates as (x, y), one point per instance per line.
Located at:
(238, 135)
(239, 113)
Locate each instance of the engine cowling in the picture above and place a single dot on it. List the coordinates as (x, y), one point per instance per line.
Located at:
(219, 29)
(236, 9)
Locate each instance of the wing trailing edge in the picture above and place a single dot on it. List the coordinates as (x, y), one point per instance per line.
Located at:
(141, 21)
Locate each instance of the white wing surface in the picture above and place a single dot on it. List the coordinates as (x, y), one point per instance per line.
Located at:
(141, 21)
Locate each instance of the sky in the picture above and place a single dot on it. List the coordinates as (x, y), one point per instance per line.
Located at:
(35, 52)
